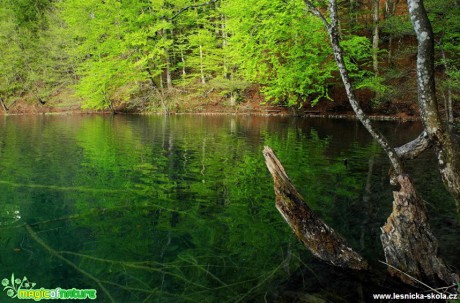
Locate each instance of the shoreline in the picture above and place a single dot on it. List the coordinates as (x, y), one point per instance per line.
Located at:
(347, 116)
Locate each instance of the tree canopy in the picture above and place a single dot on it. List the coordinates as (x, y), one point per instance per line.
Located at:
(138, 53)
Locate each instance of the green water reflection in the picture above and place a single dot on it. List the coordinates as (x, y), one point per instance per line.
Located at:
(181, 209)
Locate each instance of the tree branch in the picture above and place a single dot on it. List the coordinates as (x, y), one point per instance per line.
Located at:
(5, 108)
(189, 7)
(317, 13)
(332, 29)
(446, 148)
(414, 148)
(54, 253)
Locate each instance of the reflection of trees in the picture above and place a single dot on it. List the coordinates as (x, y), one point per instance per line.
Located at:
(125, 201)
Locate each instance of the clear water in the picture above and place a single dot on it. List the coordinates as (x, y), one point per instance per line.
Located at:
(181, 209)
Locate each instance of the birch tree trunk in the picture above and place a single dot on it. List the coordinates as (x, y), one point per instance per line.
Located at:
(168, 70)
(446, 148)
(408, 242)
(332, 29)
(203, 79)
(182, 58)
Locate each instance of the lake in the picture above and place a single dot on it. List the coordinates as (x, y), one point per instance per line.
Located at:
(181, 208)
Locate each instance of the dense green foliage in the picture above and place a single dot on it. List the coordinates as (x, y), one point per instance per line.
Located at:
(146, 53)
(446, 23)
(281, 48)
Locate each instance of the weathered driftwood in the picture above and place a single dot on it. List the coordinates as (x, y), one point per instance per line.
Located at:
(320, 239)
(408, 242)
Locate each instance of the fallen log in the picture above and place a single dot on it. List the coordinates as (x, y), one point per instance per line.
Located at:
(319, 238)
(408, 243)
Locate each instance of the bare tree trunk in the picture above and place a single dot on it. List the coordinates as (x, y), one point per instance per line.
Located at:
(447, 150)
(2, 102)
(168, 71)
(390, 53)
(332, 30)
(109, 103)
(159, 91)
(448, 103)
(375, 38)
(390, 10)
(203, 79)
(224, 45)
(407, 225)
(409, 245)
(184, 74)
(168, 63)
(353, 9)
(232, 98)
(319, 238)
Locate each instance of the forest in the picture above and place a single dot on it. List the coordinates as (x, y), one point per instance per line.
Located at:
(167, 56)
(175, 208)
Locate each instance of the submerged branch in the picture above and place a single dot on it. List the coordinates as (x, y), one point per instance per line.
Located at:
(133, 265)
(54, 253)
(319, 238)
(71, 188)
(94, 212)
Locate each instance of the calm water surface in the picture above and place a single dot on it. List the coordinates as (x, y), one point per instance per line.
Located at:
(181, 209)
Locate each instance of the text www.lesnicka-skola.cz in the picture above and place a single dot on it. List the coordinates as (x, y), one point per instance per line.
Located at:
(416, 296)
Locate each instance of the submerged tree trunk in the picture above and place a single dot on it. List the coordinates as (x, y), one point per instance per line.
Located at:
(319, 238)
(408, 242)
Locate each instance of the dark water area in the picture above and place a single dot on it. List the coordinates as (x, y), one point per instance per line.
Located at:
(181, 208)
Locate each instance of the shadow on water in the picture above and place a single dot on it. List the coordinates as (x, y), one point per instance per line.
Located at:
(181, 209)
